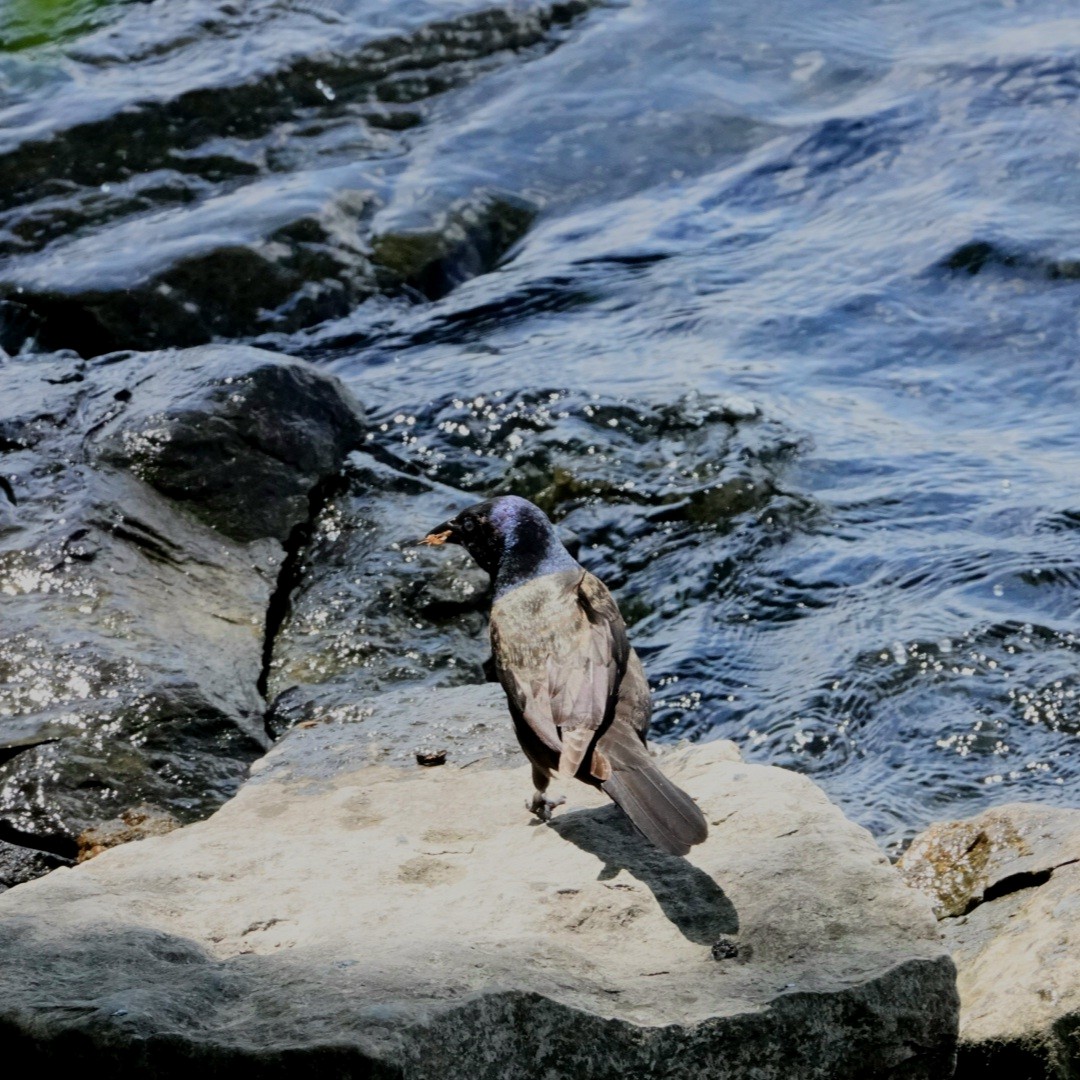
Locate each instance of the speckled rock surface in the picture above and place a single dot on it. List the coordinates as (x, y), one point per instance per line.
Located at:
(1006, 886)
(348, 910)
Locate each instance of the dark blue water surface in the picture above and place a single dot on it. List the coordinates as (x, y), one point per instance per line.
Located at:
(774, 305)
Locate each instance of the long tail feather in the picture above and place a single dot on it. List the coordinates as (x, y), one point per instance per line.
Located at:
(665, 814)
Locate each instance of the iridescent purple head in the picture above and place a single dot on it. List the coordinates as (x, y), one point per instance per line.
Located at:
(509, 537)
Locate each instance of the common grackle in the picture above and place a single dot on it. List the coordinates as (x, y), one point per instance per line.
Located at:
(576, 689)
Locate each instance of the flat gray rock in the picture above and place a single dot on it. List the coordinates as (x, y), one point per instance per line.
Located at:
(394, 920)
(1006, 885)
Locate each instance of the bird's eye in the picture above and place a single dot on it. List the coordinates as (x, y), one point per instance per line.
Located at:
(468, 524)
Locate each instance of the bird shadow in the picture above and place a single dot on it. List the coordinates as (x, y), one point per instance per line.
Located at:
(688, 896)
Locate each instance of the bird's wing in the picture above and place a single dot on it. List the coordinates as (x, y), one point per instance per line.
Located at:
(528, 695)
(584, 683)
(563, 675)
(635, 698)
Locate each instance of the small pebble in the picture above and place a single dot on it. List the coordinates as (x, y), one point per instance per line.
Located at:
(430, 757)
(725, 949)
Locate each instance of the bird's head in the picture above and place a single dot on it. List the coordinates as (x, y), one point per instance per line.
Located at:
(508, 536)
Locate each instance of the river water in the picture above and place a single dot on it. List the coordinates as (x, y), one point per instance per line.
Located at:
(773, 305)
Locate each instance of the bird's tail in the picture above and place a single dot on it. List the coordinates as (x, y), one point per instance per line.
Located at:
(665, 814)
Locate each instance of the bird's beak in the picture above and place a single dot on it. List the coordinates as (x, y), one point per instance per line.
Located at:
(439, 535)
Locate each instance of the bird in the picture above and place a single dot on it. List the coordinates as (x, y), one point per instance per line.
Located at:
(576, 689)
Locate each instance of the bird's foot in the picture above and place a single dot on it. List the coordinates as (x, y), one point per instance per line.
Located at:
(542, 806)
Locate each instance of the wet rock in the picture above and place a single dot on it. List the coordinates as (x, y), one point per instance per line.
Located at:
(239, 436)
(699, 458)
(975, 256)
(17, 326)
(466, 240)
(133, 633)
(980, 255)
(315, 264)
(371, 604)
(445, 928)
(1006, 886)
(240, 251)
(187, 289)
(19, 864)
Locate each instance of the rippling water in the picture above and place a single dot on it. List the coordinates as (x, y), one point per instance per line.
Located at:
(774, 307)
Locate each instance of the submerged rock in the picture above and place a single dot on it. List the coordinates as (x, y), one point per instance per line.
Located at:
(415, 921)
(1006, 886)
(318, 263)
(133, 632)
(466, 240)
(980, 255)
(188, 288)
(256, 175)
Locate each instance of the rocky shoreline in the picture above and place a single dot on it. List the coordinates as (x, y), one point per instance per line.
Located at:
(351, 905)
(162, 601)
(150, 506)
(1006, 889)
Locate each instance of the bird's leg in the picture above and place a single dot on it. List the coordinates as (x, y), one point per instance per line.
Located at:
(541, 805)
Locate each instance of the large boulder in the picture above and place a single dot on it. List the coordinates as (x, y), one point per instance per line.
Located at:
(145, 500)
(241, 437)
(352, 910)
(1006, 886)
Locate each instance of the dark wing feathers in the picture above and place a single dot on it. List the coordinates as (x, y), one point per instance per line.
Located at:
(564, 678)
(563, 657)
(528, 701)
(634, 707)
(584, 677)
